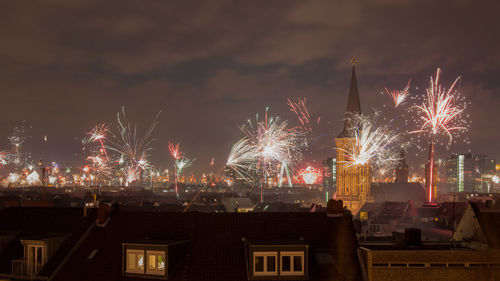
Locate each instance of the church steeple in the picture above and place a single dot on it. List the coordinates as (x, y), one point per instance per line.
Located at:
(353, 104)
(353, 181)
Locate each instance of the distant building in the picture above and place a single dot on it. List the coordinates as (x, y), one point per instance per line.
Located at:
(353, 181)
(384, 218)
(413, 259)
(398, 192)
(468, 172)
(330, 174)
(401, 171)
(479, 227)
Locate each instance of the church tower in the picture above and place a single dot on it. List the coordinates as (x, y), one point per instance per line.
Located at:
(353, 181)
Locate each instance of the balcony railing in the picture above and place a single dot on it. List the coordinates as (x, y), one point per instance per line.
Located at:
(19, 268)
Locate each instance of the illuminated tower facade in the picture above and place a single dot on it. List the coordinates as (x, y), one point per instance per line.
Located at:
(353, 181)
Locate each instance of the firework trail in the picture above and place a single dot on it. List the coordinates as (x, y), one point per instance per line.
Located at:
(399, 96)
(438, 114)
(310, 175)
(374, 144)
(299, 108)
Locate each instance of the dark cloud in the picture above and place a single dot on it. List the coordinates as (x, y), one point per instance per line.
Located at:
(210, 65)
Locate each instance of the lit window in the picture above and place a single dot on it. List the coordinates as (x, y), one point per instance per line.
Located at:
(292, 263)
(135, 261)
(363, 216)
(156, 262)
(264, 263)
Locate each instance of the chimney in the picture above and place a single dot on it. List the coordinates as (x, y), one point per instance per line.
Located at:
(335, 208)
(489, 204)
(413, 237)
(103, 214)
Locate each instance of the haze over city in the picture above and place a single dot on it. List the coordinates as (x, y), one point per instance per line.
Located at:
(208, 67)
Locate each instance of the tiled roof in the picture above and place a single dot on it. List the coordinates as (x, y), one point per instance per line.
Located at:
(392, 211)
(398, 192)
(216, 250)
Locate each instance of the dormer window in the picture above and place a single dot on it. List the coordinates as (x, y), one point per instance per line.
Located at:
(292, 263)
(156, 262)
(151, 259)
(265, 263)
(268, 259)
(135, 261)
(145, 262)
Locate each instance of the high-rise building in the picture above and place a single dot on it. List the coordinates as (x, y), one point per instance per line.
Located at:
(465, 172)
(353, 181)
(401, 171)
(329, 174)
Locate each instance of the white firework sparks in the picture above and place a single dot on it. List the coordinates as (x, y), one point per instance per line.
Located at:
(268, 147)
(374, 144)
(241, 157)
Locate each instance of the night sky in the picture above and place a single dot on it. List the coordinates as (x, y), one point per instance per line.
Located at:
(211, 65)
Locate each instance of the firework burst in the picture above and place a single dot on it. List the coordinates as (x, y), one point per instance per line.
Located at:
(175, 151)
(5, 157)
(99, 167)
(180, 162)
(440, 110)
(17, 139)
(33, 178)
(438, 115)
(97, 134)
(375, 144)
(399, 96)
(310, 175)
(131, 147)
(269, 147)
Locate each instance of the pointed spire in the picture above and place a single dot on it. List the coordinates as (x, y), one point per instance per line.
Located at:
(353, 103)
